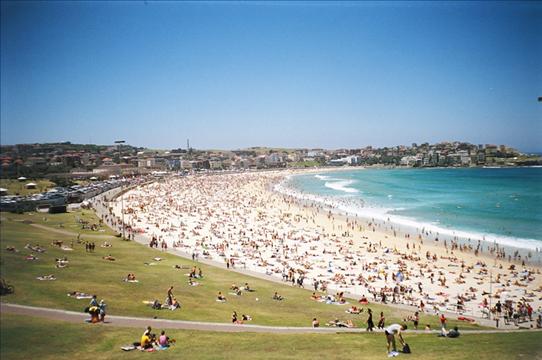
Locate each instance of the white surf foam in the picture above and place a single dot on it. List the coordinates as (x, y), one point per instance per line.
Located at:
(341, 185)
(357, 207)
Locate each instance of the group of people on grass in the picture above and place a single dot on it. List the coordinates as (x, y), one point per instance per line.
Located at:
(96, 310)
(151, 342)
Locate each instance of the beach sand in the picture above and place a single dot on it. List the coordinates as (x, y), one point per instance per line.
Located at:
(240, 219)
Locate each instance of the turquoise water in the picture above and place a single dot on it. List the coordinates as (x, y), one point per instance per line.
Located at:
(495, 204)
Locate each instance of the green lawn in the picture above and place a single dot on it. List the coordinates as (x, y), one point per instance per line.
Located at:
(88, 272)
(24, 337)
(15, 187)
(67, 221)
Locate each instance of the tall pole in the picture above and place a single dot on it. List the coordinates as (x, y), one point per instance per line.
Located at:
(490, 293)
(119, 142)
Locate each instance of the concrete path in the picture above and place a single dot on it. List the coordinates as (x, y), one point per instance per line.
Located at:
(71, 233)
(141, 323)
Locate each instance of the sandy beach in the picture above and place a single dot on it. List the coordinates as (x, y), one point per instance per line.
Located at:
(240, 220)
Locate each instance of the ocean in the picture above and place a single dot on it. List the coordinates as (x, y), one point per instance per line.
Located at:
(502, 205)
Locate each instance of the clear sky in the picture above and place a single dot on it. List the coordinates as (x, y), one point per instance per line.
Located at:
(234, 75)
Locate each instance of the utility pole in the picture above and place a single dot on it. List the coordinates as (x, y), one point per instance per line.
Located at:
(490, 292)
(119, 143)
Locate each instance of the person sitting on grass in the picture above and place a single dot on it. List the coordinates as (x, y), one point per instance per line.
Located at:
(234, 318)
(454, 332)
(390, 332)
(146, 339)
(156, 305)
(315, 323)
(163, 340)
(130, 278)
(220, 297)
(363, 300)
(174, 304)
(247, 288)
(246, 317)
(315, 296)
(108, 257)
(277, 297)
(62, 262)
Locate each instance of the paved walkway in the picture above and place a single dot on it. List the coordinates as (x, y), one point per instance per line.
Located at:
(141, 323)
(71, 233)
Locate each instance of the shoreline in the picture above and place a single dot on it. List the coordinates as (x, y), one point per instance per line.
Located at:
(405, 225)
(355, 263)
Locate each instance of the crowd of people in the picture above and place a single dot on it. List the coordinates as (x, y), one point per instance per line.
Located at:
(235, 219)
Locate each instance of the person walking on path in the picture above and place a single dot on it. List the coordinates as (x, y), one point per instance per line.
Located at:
(443, 322)
(370, 323)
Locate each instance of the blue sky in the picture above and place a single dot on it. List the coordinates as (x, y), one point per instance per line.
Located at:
(233, 75)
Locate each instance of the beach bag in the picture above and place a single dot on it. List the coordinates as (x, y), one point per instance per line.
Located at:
(406, 349)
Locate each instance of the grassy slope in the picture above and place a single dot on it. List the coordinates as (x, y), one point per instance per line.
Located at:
(67, 221)
(17, 187)
(23, 337)
(88, 272)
